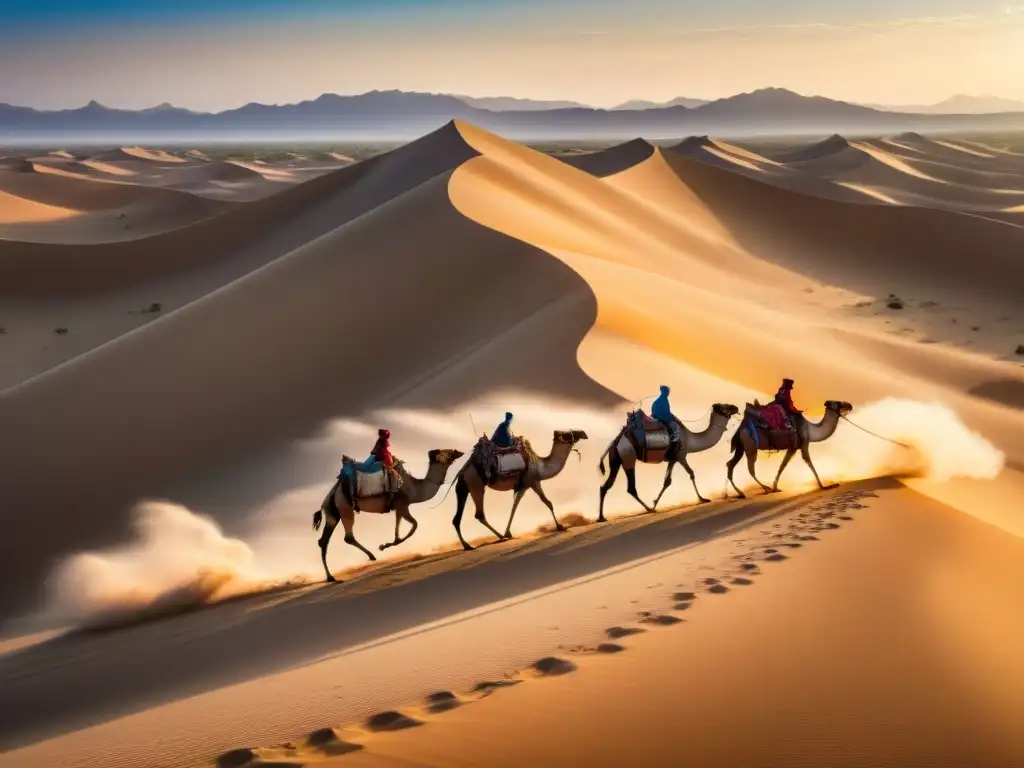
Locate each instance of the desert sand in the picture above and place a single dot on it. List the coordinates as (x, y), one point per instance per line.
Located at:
(175, 403)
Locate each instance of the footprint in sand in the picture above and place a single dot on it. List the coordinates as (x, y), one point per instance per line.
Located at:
(749, 566)
(741, 582)
(390, 721)
(682, 606)
(552, 666)
(616, 633)
(490, 686)
(237, 758)
(683, 596)
(661, 620)
(442, 701)
(610, 648)
(326, 741)
(718, 589)
(776, 557)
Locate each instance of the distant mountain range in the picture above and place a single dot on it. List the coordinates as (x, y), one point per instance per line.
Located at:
(960, 105)
(400, 114)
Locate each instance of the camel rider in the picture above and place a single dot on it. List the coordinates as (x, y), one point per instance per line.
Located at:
(784, 397)
(380, 458)
(502, 438)
(662, 411)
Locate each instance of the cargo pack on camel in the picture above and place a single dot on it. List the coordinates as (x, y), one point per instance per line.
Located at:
(500, 463)
(650, 437)
(365, 485)
(771, 420)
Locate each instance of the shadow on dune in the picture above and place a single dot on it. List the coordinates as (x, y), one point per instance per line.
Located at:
(81, 680)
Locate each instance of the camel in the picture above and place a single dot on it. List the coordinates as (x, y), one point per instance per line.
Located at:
(807, 432)
(336, 508)
(470, 483)
(623, 453)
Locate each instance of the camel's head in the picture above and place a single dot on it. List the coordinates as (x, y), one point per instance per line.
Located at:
(570, 436)
(445, 456)
(839, 406)
(728, 410)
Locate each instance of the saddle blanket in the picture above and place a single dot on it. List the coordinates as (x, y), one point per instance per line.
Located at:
(657, 441)
(509, 463)
(650, 434)
(775, 417)
(376, 483)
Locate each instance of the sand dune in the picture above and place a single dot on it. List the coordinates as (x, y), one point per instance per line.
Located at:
(430, 289)
(613, 160)
(42, 208)
(190, 172)
(18, 210)
(16, 165)
(719, 153)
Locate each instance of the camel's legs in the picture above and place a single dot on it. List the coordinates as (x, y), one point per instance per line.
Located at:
(330, 523)
(805, 451)
(614, 464)
(785, 460)
(479, 492)
(693, 478)
(751, 452)
(461, 494)
(629, 467)
(730, 465)
(402, 513)
(547, 502)
(348, 520)
(515, 504)
(670, 465)
(463, 490)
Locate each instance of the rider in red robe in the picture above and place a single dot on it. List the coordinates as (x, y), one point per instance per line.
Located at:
(382, 449)
(784, 397)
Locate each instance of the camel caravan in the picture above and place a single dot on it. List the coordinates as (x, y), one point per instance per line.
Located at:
(506, 462)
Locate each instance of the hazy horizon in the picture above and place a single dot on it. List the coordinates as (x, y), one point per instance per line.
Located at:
(221, 54)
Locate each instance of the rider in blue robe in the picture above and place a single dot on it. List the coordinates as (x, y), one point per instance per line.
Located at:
(662, 411)
(503, 437)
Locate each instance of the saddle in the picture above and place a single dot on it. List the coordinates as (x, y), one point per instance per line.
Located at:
(504, 461)
(646, 434)
(772, 422)
(366, 484)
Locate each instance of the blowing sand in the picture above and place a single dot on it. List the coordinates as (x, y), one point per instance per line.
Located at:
(206, 378)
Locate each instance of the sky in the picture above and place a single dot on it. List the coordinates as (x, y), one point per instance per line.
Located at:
(212, 55)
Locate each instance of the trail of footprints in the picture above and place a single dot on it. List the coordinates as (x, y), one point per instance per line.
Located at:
(770, 546)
